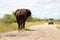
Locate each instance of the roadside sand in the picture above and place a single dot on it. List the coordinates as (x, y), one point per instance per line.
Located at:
(36, 32)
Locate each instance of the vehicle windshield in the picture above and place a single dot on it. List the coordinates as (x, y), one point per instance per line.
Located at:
(50, 20)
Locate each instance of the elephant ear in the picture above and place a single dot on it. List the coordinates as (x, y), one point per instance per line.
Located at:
(28, 12)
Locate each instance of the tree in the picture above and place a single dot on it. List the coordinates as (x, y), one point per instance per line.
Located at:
(30, 19)
(9, 18)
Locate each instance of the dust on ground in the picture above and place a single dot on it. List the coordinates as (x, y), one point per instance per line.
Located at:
(36, 32)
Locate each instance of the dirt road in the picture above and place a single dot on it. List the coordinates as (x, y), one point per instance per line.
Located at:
(36, 32)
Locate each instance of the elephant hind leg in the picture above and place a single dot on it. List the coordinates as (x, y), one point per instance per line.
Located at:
(23, 24)
(19, 23)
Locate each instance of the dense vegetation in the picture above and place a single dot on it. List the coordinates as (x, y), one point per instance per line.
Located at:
(10, 18)
(8, 22)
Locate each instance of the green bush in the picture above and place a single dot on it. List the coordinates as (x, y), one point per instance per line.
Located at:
(8, 19)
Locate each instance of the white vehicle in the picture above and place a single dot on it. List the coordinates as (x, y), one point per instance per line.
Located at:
(50, 21)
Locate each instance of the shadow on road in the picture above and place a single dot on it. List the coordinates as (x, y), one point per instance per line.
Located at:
(29, 30)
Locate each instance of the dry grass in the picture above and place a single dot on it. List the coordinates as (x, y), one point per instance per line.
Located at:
(58, 27)
(31, 23)
(4, 27)
(57, 22)
(13, 26)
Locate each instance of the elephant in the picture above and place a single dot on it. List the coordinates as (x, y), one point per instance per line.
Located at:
(21, 17)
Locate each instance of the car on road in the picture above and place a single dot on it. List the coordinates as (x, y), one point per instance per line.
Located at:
(50, 21)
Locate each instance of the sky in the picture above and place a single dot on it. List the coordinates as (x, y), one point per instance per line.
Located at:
(39, 8)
